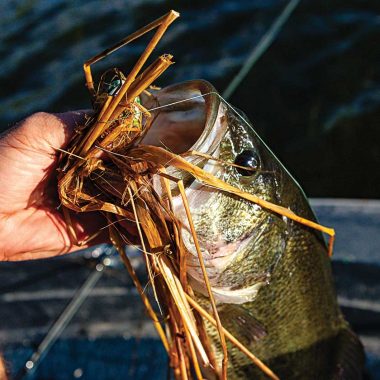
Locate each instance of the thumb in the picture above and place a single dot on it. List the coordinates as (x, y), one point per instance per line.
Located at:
(42, 133)
(69, 121)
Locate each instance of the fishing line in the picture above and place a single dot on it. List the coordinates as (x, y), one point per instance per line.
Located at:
(309, 223)
(237, 113)
(314, 225)
(203, 96)
(183, 100)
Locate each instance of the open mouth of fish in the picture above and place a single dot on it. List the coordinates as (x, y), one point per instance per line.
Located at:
(191, 116)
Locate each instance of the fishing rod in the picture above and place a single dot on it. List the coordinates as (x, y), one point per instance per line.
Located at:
(104, 260)
(263, 45)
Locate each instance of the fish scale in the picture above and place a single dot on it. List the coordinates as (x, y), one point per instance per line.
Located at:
(274, 287)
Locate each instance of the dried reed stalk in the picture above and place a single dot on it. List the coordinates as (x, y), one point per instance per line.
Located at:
(104, 169)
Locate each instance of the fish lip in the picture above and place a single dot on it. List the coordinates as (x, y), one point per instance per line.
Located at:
(213, 130)
(212, 102)
(207, 91)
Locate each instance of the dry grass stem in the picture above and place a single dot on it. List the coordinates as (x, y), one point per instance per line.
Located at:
(234, 341)
(207, 282)
(105, 169)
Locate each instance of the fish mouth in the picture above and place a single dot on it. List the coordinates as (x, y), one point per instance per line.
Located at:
(186, 117)
(191, 117)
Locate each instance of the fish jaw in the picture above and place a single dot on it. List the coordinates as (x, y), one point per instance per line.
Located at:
(218, 254)
(299, 307)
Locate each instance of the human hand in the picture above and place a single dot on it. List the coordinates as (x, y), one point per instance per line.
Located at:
(31, 226)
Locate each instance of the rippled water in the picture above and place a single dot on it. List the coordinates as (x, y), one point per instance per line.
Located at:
(314, 96)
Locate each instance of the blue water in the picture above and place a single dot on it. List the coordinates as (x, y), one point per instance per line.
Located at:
(314, 96)
(100, 359)
(110, 358)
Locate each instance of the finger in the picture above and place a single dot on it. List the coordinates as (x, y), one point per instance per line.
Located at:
(43, 132)
(29, 155)
(69, 122)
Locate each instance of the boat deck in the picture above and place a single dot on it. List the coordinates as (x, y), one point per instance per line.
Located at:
(110, 336)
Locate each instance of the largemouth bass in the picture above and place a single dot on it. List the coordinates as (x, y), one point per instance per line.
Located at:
(270, 276)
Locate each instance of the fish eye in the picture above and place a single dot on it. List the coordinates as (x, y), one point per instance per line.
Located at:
(249, 159)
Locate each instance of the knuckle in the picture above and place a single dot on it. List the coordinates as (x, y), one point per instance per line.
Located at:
(38, 118)
(35, 124)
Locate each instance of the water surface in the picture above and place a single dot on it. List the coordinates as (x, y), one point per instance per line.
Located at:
(314, 96)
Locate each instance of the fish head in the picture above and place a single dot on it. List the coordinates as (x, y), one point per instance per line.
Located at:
(240, 241)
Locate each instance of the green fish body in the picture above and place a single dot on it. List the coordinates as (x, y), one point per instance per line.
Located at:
(271, 277)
